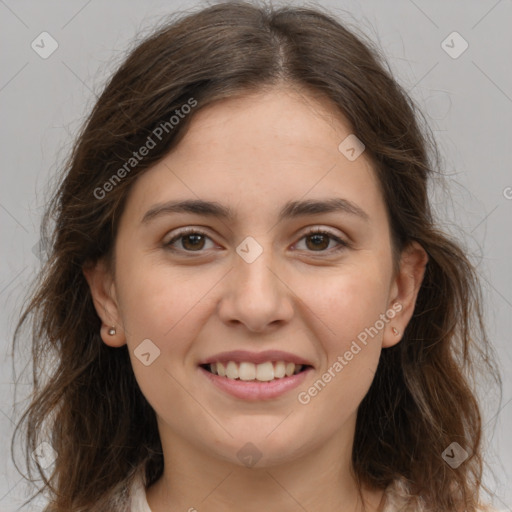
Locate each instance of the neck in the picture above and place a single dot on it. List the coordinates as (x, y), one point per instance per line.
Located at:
(319, 480)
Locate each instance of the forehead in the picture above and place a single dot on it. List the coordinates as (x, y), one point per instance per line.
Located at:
(271, 119)
(260, 151)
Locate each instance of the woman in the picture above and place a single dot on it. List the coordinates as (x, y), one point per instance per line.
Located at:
(248, 300)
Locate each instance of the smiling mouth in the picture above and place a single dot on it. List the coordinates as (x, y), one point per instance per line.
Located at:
(247, 371)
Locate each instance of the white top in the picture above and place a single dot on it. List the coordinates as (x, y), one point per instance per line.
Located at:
(396, 494)
(139, 503)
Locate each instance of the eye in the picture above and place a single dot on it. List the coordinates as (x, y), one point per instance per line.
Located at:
(318, 240)
(194, 240)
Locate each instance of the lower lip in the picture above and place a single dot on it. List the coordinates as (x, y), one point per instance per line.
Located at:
(256, 390)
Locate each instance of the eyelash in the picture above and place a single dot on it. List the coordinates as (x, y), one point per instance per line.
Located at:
(194, 231)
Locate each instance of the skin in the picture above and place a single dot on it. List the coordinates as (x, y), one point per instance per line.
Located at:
(254, 153)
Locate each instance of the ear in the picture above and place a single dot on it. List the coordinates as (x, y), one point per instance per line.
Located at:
(404, 291)
(105, 302)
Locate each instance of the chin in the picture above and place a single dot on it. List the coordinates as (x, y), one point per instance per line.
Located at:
(263, 451)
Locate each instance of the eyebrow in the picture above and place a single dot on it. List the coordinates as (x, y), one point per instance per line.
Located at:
(290, 210)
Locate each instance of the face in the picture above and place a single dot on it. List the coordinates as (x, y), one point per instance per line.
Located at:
(293, 293)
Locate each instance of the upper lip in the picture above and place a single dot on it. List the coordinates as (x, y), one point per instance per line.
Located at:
(240, 356)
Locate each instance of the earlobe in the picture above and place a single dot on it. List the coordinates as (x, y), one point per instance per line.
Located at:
(404, 292)
(103, 295)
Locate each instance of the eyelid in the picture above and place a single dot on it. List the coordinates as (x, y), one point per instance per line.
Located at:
(342, 243)
(181, 232)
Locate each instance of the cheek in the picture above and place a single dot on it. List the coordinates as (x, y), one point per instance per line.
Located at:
(160, 304)
(345, 313)
(165, 308)
(334, 396)
(345, 303)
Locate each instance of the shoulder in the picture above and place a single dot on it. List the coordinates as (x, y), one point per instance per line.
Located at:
(399, 499)
(138, 501)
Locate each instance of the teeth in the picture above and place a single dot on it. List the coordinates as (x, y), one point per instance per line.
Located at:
(263, 372)
(279, 370)
(232, 370)
(247, 371)
(221, 369)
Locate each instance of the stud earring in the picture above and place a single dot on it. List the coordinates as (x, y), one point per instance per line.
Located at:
(112, 331)
(395, 331)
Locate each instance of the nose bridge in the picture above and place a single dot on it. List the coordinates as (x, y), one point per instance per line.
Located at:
(256, 295)
(257, 275)
(252, 271)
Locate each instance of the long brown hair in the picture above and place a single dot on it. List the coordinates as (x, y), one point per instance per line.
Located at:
(86, 398)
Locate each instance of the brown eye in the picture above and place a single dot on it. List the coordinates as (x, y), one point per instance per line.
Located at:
(189, 241)
(315, 241)
(192, 242)
(319, 240)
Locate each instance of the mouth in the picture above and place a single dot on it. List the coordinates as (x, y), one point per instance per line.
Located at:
(247, 371)
(255, 381)
(255, 375)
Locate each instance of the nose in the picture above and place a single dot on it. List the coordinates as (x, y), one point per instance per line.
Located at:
(256, 295)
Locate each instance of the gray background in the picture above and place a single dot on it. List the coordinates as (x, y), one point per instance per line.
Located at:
(467, 101)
